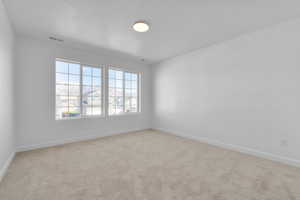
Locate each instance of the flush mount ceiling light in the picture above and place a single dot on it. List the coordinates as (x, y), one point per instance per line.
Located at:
(141, 26)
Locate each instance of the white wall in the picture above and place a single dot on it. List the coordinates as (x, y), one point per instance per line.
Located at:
(244, 92)
(35, 92)
(7, 138)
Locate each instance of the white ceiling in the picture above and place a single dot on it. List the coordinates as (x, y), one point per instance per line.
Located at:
(177, 26)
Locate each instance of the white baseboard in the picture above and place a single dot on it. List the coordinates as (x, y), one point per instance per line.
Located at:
(7, 163)
(246, 150)
(71, 140)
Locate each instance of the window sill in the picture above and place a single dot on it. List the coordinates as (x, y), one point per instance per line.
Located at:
(124, 114)
(99, 116)
(81, 117)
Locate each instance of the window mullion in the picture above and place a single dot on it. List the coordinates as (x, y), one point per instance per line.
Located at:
(92, 95)
(81, 109)
(68, 88)
(123, 92)
(104, 94)
(130, 101)
(138, 109)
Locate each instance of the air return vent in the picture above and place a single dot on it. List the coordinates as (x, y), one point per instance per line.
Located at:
(56, 39)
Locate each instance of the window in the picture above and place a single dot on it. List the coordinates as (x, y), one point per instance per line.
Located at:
(123, 92)
(131, 92)
(91, 91)
(78, 90)
(115, 92)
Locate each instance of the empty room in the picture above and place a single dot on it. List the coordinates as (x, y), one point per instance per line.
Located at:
(150, 100)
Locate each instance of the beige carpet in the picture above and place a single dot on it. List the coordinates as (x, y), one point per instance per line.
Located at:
(146, 165)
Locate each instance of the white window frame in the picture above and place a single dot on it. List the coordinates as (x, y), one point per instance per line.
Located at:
(104, 90)
(138, 91)
(103, 107)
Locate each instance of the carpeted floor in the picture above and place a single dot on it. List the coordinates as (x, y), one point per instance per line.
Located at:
(146, 165)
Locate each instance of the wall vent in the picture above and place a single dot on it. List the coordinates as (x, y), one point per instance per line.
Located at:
(56, 39)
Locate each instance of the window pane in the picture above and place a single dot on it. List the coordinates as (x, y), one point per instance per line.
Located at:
(74, 101)
(112, 105)
(86, 91)
(119, 101)
(87, 80)
(61, 67)
(127, 92)
(86, 101)
(131, 92)
(127, 104)
(87, 110)
(74, 90)
(119, 83)
(119, 92)
(119, 75)
(127, 84)
(112, 74)
(134, 77)
(74, 79)
(112, 83)
(97, 92)
(111, 100)
(111, 109)
(127, 76)
(86, 71)
(134, 84)
(62, 78)
(133, 101)
(92, 95)
(131, 104)
(60, 111)
(62, 101)
(97, 72)
(134, 92)
(62, 90)
(112, 92)
(119, 109)
(73, 112)
(74, 68)
(133, 109)
(96, 101)
(74, 109)
(96, 81)
(89, 101)
(97, 110)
